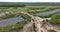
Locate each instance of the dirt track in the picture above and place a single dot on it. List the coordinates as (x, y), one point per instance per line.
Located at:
(27, 27)
(38, 22)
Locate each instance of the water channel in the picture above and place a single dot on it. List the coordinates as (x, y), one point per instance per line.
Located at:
(10, 21)
(6, 22)
(48, 12)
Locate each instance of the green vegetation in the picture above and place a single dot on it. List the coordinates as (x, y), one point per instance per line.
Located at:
(51, 30)
(30, 9)
(55, 19)
(37, 9)
(10, 9)
(15, 12)
(13, 5)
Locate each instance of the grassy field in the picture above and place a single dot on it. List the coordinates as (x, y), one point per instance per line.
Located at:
(29, 9)
(15, 12)
(37, 9)
(9, 9)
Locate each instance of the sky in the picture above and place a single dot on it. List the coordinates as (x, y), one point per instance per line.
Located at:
(29, 0)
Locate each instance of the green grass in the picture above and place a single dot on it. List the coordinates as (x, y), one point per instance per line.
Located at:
(33, 10)
(10, 9)
(13, 12)
(16, 12)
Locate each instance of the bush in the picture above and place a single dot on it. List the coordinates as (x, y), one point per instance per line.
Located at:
(55, 19)
(52, 31)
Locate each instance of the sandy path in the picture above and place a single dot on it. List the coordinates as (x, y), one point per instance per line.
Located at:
(27, 27)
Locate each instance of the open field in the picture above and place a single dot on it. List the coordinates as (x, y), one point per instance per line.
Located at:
(37, 9)
(14, 12)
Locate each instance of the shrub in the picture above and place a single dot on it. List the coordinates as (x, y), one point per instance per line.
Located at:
(55, 19)
(52, 31)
